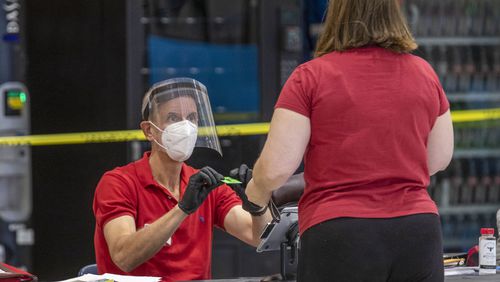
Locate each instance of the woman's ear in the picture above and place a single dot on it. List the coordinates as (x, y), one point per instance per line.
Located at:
(147, 130)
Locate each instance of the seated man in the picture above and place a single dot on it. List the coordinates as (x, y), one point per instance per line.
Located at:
(155, 216)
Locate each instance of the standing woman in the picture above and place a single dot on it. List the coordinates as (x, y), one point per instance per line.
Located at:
(372, 123)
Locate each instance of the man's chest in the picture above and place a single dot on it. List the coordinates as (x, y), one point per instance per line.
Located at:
(154, 204)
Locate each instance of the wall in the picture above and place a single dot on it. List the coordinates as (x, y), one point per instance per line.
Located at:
(76, 76)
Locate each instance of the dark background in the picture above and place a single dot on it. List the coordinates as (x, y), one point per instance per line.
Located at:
(76, 76)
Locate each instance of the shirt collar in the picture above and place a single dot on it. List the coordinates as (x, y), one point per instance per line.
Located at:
(145, 174)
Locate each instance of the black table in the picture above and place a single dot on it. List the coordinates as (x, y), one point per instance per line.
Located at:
(477, 278)
(473, 278)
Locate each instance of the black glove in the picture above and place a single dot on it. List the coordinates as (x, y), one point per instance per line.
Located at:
(199, 186)
(244, 174)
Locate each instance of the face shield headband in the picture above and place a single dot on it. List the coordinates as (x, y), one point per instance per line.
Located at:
(186, 84)
(166, 98)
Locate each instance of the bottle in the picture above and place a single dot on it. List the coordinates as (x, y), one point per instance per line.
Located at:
(456, 182)
(487, 252)
(467, 190)
(494, 193)
(450, 83)
(483, 184)
(489, 20)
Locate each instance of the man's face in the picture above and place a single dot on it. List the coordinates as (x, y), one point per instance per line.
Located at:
(176, 110)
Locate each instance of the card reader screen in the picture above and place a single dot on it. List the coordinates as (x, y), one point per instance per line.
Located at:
(15, 100)
(268, 230)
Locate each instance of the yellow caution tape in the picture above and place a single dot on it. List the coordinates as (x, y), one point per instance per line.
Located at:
(475, 115)
(222, 130)
(119, 136)
(73, 138)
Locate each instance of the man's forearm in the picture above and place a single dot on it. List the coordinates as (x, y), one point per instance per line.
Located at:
(134, 249)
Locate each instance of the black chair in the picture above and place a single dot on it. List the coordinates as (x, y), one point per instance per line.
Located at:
(291, 192)
(88, 269)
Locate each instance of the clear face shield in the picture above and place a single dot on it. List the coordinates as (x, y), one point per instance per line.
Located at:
(180, 109)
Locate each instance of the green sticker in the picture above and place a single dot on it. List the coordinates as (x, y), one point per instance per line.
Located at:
(229, 180)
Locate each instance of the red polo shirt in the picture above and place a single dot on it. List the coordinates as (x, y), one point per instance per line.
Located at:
(131, 190)
(371, 111)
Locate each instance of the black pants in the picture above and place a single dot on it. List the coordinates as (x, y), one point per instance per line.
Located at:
(405, 248)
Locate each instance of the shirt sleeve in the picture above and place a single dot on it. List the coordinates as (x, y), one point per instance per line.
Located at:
(113, 198)
(296, 93)
(225, 200)
(444, 105)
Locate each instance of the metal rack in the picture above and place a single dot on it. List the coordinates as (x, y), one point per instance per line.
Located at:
(461, 40)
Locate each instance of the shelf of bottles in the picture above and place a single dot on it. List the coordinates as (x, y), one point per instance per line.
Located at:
(461, 40)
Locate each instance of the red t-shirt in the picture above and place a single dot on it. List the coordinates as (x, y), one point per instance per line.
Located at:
(131, 190)
(371, 111)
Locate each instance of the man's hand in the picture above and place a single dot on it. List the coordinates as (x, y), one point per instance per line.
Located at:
(198, 188)
(244, 174)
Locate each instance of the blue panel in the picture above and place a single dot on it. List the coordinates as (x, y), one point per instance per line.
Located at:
(229, 71)
(316, 10)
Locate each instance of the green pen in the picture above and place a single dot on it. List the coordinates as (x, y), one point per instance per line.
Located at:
(229, 180)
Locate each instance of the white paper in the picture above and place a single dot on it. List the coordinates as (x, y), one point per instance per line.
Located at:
(118, 278)
(460, 270)
(84, 278)
(123, 278)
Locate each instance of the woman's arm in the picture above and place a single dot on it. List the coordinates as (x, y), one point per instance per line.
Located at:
(284, 149)
(440, 144)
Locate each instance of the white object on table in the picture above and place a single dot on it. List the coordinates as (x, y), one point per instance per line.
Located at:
(460, 270)
(114, 277)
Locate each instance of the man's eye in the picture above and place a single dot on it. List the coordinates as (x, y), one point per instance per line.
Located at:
(193, 118)
(173, 118)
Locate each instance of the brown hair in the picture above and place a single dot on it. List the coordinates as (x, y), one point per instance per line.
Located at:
(356, 23)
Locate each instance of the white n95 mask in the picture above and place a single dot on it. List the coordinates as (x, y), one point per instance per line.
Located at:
(178, 139)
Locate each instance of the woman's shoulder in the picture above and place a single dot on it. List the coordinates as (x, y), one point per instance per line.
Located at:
(313, 66)
(417, 60)
(423, 66)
